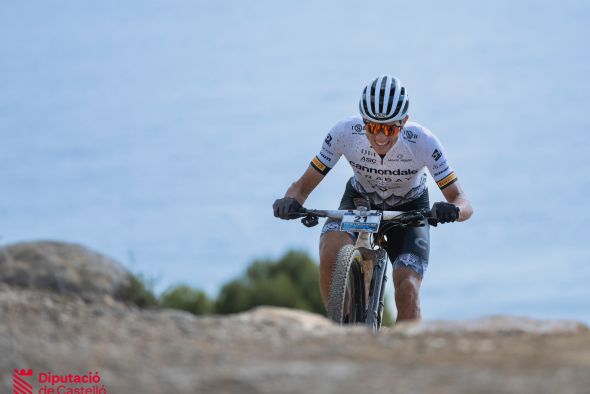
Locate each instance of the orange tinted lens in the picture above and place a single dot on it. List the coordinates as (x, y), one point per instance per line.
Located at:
(376, 128)
(372, 128)
(389, 130)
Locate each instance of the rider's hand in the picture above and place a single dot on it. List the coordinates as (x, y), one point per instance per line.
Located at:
(284, 206)
(445, 212)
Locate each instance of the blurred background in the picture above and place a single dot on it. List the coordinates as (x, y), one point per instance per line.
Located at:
(160, 133)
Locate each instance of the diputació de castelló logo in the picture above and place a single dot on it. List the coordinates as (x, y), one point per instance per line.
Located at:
(20, 385)
(52, 383)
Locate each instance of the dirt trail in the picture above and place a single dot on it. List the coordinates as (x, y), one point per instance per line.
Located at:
(56, 325)
(271, 350)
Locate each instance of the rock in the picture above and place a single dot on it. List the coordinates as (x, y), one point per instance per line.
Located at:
(283, 317)
(276, 350)
(493, 324)
(47, 325)
(62, 268)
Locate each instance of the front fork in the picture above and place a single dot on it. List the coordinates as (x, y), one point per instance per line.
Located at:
(377, 291)
(376, 262)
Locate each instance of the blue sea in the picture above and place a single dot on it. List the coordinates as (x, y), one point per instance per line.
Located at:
(160, 133)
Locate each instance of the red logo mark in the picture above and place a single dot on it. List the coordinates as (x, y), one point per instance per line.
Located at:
(20, 385)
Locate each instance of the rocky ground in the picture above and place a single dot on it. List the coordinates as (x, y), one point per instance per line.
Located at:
(60, 329)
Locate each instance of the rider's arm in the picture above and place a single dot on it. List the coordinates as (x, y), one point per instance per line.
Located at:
(321, 164)
(455, 195)
(301, 188)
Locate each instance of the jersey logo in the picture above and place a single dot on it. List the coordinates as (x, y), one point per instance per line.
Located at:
(441, 171)
(409, 136)
(319, 166)
(328, 140)
(446, 181)
(325, 157)
(441, 164)
(436, 155)
(358, 129)
(381, 171)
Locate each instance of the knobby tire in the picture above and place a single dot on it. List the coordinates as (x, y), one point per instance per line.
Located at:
(347, 278)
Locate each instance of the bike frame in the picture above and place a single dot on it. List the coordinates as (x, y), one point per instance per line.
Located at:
(374, 258)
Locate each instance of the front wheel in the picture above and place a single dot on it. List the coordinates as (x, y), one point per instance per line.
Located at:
(346, 300)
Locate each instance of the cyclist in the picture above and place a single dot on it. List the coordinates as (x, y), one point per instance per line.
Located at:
(389, 156)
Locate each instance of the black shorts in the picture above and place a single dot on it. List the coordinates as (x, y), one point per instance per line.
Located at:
(409, 247)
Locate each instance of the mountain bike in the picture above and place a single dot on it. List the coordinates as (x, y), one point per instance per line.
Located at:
(360, 272)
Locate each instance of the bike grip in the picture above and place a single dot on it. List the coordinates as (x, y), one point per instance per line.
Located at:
(297, 215)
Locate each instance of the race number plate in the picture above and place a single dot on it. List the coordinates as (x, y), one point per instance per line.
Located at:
(369, 223)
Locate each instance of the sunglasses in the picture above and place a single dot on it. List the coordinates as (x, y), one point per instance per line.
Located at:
(387, 129)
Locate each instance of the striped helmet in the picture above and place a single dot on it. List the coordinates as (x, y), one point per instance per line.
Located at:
(384, 100)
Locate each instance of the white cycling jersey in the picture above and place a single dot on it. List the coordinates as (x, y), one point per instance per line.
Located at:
(394, 179)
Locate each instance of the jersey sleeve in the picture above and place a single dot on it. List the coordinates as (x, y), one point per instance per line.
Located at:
(435, 158)
(331, 151)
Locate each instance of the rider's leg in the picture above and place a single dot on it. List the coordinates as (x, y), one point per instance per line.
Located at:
(332, 240)
(330, 244)
(407, 293)
(408, 250)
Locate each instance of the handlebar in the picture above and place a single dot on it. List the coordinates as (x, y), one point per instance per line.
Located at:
(408, 218)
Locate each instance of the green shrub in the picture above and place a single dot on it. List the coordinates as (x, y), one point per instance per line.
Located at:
(292, 281)
(185, 298)
(140, 292)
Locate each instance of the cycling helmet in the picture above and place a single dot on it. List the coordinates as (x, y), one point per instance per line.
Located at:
(384, 100)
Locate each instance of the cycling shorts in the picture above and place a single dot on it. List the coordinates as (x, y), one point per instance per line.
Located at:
(406, 247)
